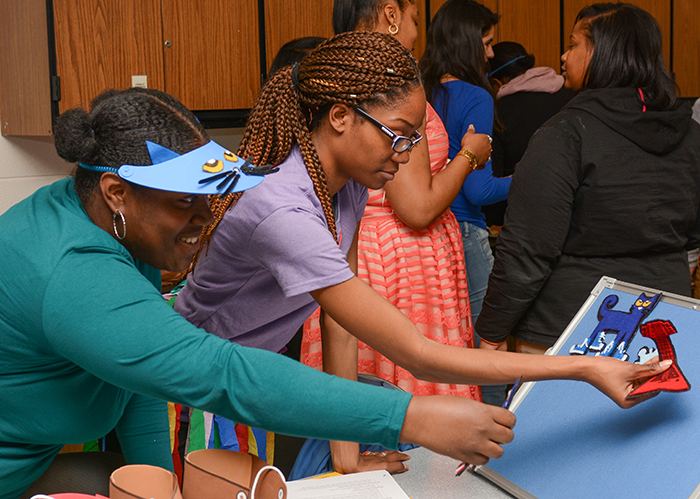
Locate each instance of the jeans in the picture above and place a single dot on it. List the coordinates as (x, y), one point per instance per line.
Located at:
(479, 261)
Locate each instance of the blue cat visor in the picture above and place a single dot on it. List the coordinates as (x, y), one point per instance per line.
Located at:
(209, 169)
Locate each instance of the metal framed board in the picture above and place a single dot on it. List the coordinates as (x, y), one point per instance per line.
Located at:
(571, 441)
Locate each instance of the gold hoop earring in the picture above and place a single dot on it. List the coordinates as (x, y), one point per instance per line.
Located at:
(393, 29)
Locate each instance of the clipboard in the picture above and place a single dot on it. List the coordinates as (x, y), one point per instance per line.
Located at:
(571, 441)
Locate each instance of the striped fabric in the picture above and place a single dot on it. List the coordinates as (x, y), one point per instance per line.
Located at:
(421, 273)
(193, 429)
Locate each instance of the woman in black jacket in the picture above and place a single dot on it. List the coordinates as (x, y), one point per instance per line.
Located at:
(609, 186)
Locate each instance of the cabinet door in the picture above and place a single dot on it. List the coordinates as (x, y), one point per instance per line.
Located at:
(286, 20)
(536, 26)
(100, 44)
(25, 97)
(686, 47)
(212, 57)
(436, 4)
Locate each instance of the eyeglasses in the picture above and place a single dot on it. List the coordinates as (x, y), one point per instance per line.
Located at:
(400, 143)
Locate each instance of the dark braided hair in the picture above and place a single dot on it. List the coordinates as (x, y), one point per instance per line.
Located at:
(351, 68)
(116, 129)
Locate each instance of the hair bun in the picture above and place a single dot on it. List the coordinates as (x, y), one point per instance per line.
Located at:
(74, 137)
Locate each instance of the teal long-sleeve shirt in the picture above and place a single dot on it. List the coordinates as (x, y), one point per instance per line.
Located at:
(87, 344)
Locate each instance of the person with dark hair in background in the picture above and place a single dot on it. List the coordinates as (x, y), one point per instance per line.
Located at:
(526, 97)
(610, 186)
(294, 51)
(455, 71)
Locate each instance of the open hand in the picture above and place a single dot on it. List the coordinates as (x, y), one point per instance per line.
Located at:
(347, 459)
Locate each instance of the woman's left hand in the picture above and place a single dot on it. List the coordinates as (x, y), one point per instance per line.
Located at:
(479, 144)
(347, 459)
(617, 379)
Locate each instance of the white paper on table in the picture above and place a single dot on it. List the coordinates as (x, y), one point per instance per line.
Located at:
(366, 485)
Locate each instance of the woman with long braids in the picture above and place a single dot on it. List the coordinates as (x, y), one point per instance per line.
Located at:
(342, 121)
(409, 243)
(409, 247)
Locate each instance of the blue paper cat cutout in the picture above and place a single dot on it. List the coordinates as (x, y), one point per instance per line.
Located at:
(623, 324)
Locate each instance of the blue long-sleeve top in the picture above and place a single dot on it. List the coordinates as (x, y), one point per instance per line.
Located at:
(464, 104)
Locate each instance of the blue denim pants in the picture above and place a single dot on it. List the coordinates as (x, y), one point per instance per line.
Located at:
(479, 262)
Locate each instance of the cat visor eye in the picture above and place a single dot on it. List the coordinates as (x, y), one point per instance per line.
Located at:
(400, 143)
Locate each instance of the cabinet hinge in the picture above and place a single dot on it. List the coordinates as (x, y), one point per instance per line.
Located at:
(55, 88)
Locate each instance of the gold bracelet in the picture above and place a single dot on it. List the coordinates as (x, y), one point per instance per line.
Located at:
(470, 156)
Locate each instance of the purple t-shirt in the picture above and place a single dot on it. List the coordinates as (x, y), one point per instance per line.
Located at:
(266, 255)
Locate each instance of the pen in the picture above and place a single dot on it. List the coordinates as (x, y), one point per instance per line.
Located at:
(472, 467)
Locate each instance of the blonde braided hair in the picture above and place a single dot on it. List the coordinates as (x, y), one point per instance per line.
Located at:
(351, 68)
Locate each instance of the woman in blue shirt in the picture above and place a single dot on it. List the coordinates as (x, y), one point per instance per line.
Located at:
(455, 73)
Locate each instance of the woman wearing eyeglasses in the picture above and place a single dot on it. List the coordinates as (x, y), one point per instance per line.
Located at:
(409, 242)
(409, 246)
(276, 253)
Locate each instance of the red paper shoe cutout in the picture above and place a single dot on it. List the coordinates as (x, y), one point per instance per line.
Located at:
(671, 380)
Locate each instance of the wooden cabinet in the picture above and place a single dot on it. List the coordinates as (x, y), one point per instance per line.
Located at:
(536, 25)
(25, 90)
(686, 46)
(286, 20)
(203, 53)
(213, 54)
(206, 53)
(100, 44)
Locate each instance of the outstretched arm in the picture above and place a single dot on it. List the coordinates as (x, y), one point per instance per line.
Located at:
(369, 317)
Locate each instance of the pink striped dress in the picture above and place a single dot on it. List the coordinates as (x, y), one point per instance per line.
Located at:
(422, 273)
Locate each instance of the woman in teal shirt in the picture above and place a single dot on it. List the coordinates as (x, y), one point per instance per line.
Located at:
(89, 345)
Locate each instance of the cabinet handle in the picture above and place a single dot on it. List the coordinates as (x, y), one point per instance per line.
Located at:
(168, 43)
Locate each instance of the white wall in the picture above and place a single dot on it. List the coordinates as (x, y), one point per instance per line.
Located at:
(26, 164)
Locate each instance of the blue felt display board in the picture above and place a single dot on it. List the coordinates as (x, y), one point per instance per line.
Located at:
(571, 441)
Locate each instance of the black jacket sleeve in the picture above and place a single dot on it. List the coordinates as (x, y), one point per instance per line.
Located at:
(540, 204)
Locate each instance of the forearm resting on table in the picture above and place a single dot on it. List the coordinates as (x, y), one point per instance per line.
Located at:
(340, 358)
